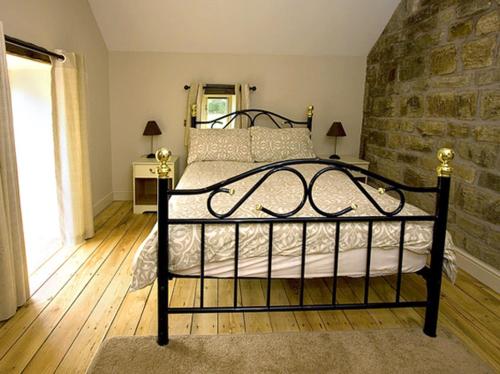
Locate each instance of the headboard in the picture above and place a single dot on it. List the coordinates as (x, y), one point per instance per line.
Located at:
(252, 115)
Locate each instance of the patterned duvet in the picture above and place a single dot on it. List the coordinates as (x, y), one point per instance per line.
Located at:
(281, 192)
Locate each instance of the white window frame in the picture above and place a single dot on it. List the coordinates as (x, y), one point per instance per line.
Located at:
(231, 101)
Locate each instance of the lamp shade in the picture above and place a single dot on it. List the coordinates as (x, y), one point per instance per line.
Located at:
(336, 129)
(152, 129)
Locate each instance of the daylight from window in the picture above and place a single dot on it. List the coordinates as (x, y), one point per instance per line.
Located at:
(216, 106)
(30, 83)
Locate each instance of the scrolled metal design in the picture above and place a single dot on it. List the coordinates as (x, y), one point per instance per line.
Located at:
(252, 190)
(289, 166)
(353, 206)
(252, 115)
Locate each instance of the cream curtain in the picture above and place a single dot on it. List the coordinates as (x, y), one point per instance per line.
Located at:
(14, 285)
(69, 111)
(242, 92)
(195, 96)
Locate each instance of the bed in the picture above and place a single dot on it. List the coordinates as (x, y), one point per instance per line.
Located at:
(295, 218)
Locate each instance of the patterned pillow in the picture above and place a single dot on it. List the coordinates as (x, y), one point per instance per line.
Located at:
(219, 145)
(281, 144)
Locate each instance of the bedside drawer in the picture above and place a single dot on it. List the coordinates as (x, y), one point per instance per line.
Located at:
(144, 171)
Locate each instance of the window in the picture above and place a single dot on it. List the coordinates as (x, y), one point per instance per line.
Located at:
(218, 100)
(215, 106)
(30, 85)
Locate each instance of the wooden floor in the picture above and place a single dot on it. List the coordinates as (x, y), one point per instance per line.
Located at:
(80, 296)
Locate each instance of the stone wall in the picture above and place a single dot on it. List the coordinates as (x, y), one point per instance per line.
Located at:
(433, 80)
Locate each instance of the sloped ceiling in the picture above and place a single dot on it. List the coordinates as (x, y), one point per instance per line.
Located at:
(285, 27)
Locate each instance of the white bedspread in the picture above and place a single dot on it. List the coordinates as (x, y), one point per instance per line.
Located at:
(282, 192)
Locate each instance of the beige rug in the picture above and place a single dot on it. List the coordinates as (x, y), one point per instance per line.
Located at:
(379, 351)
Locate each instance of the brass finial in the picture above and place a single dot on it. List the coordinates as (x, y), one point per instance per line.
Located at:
(163, 155)
(310, 110)
(193, 110)
(445, 155)
(258, 207)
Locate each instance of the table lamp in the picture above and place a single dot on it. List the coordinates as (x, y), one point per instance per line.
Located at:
(151, 129)
(336, 130)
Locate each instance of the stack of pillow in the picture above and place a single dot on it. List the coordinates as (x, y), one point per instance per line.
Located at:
(257, 144)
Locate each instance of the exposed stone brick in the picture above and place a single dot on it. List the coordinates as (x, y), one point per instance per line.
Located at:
(383, 107)
(467, 173)
(412, 106)
(383, 153)
(444, 60)
(452, 105)
(412, 178)
(388, 169)
(478, 53)
(471, 7)
(460, 30)
(411, 142)
(493, 239)
(407, 126)
(429, 128)
(490, 22)
(478, 203)
(489, 134)
(376, 137)
(421, 43)
(389, 124)
(407, 158)
(434, 82)
(471, 226)
(489, 180)
(486, 77)
(411, 68)
(490, 105)
(484, 155)
(458, 130)
(428, 163)
(453, 81)
(492, 211)
(480, 250)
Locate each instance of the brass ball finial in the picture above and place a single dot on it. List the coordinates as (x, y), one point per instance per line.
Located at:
(445, 156)
(162, 156)
(194, 110)
(310, 110)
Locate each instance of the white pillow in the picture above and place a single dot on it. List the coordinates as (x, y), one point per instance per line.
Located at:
(219, 145)
(281, 144)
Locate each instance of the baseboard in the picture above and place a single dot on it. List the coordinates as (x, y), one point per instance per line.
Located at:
(122, 195)
(478, 269)
(103, 203)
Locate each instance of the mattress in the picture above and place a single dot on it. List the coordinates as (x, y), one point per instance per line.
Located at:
(282, 192)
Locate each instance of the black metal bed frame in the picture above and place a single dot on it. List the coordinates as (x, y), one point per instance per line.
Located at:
(431, 274)
(253, 115)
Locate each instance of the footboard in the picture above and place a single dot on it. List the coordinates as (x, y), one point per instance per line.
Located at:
(270, 218)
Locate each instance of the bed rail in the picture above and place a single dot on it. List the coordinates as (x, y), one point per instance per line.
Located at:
(433, 274)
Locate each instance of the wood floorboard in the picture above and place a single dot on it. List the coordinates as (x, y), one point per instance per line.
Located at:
(77, 267)
(81, 296)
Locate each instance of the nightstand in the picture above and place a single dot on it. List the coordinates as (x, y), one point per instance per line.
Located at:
(144, 184)
(353, 160)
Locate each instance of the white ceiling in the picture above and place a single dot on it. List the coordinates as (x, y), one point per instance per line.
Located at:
(285, 27)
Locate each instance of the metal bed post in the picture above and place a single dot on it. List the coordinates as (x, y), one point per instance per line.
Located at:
(310, 111)
(444, 170)
(162, 155)
(194, 110)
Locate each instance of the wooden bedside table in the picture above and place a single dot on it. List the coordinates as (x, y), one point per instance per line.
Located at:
(353, 160)
(144, 184)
